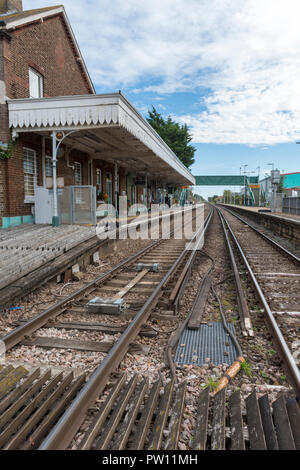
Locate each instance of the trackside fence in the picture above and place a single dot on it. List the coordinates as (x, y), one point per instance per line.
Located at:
(291, 205)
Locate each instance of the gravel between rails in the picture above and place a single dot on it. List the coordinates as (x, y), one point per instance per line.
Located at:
(266, 373)
(51, 292)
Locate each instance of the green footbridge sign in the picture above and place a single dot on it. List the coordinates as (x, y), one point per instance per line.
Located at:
(225, 180)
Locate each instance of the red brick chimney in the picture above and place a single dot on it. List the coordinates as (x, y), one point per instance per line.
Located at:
(7, 6)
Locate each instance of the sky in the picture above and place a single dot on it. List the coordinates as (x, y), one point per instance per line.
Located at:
(228, 69)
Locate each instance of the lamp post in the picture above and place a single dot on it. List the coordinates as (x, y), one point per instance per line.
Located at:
(259, 193)
(272, 186)
(240, 199)
(245, 191)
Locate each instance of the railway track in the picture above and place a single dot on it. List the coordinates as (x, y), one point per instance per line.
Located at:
(139, 292)
(275, 274)
(111, 409)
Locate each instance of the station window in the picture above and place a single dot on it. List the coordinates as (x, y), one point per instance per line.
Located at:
(48, 166)
(36, 84)
(29, 162)
(78, 173)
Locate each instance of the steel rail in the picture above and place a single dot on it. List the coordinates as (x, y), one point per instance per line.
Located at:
(18, 334)
(283, 349)
(266, 237)
(15, 336)
(242, 301)
(64, 431)
(185, 274)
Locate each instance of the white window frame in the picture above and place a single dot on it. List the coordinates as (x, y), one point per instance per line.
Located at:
(29, 199)
(33, 74)
(47, 166)
(78, 165)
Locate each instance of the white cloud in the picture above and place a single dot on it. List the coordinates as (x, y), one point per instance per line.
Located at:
(246, 52)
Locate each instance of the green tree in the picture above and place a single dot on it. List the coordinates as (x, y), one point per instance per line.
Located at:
(214, 199)
(176, 136)
(227, 196)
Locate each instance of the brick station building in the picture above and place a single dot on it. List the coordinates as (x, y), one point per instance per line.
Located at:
(47, 100)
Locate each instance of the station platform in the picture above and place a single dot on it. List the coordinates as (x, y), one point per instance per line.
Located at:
(27, 247)
(267, 211)
(31, 254)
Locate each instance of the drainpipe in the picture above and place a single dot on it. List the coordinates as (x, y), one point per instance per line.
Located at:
(55, 218)
(44, 160)
(146, 191)
(116, 187)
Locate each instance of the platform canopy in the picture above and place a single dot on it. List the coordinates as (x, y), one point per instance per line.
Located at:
(107, 127)
(225, 180)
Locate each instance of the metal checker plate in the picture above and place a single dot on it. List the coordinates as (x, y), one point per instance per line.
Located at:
(209, 341)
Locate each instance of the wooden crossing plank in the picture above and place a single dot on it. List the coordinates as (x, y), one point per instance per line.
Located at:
(131, 284)
(294, 418)
(17, 392)
(200, 437)
(267, 422)
(102, 414)
(94, 346)
(176, 416)
(236, 422)
(218, 431)
(146, 418)
(28, 410)
(111, 425)
(282, 425)
(161, 417)
(45, 426)
(199, 305)
(255, 427)
(133, 409)
(5, 371)
(23, 399)
(11, 379)
(41, 411)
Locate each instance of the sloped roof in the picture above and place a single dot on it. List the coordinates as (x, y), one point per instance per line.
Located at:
(91, 114)
(18, 19)
(18, 15)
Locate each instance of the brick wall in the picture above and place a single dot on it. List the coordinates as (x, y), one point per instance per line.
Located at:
(15, 204)
(47, 48)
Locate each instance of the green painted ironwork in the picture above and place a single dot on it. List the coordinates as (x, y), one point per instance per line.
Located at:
(183, 197)
(225, 180)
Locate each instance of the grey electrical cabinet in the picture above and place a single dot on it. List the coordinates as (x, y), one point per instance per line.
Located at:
(43, 206)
